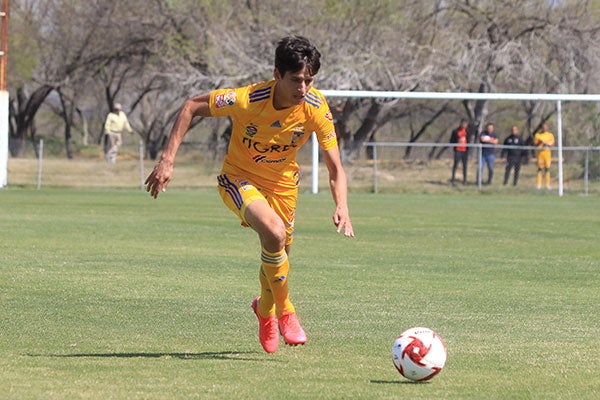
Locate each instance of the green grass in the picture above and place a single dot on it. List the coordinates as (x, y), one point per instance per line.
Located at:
(110, 294)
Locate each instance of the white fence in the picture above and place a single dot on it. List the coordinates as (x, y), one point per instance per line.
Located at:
(557, 97)
(387, 168)
(579, 158)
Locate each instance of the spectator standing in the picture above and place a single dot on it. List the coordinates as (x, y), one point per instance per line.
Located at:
(115, 125)
(459, 137)
(513, 154)
(488, 138)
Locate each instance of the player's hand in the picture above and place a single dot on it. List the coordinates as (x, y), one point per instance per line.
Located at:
(341, 219)
(159, 178)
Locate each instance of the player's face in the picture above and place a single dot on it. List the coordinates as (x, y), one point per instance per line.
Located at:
(291, 88)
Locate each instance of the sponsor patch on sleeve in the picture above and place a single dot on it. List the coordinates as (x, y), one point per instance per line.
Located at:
(330, 136)
(225, 99)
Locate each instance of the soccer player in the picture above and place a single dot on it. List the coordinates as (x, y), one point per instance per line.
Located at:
(259, 177)
(543, 140)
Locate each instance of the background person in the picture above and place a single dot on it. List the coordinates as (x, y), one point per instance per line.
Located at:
(543, 140)
(487, 137)
(259, 178)
(513, 154)
(459, 136)
(115, 125)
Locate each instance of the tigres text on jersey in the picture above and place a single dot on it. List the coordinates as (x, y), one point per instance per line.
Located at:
(264, 141)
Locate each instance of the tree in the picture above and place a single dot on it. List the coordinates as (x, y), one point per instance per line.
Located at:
(515, 46)
(27, 94)
(152, 54)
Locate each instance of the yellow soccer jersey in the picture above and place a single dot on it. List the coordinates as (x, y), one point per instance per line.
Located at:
(264, 141)
(543, 140)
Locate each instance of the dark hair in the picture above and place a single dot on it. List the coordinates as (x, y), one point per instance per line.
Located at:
(294, 53)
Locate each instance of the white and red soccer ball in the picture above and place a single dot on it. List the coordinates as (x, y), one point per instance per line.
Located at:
(419, 354)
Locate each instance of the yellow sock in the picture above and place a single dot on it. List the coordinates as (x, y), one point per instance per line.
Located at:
(276, 267)
(266, 305)
(548, 179)
(539, 178)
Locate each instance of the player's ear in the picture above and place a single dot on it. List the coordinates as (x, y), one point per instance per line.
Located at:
(277, 74)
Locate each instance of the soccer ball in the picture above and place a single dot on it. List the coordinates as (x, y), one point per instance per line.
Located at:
(419, 354)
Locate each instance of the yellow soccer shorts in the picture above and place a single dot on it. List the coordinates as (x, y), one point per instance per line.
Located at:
(543, 159)
(237, 193)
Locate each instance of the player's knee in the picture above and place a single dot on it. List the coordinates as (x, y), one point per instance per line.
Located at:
(280, 236)
(275, 236)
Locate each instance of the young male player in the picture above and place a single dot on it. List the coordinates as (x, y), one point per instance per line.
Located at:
(259, 178)
(543, 140)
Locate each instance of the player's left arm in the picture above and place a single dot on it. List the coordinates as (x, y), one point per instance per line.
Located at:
(339, 190)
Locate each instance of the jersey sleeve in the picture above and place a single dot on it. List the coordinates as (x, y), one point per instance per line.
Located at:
(323, 125)
(225, 102)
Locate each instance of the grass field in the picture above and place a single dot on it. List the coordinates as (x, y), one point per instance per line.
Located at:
(108, 294)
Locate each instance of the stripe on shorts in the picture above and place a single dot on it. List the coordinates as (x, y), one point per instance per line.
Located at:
(232, 190)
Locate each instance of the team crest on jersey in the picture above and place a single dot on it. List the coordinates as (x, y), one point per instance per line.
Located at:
(251, 130)
(225, 99)
(297, 134)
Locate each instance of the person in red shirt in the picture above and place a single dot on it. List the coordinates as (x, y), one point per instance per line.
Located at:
(460, 138)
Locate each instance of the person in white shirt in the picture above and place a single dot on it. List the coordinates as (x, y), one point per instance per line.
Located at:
(115, 125)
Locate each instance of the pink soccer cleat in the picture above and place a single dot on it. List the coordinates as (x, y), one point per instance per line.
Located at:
(290, 328)
(267, 329)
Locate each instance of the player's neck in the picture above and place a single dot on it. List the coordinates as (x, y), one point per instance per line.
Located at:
(280, 100)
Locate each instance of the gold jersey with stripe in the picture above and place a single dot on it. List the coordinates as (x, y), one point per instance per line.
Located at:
(264, 141)
(543, 141)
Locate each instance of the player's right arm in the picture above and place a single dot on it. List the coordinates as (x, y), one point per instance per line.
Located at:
(161, 175)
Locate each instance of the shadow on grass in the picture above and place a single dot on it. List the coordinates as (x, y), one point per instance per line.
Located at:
(401, 382)
(439, 183)
(209, 355)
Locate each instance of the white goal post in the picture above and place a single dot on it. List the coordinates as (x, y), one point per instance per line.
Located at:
(558, 98)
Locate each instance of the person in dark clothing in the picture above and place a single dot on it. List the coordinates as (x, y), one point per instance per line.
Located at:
(513, 155)
(460, 138)
(488, 138)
